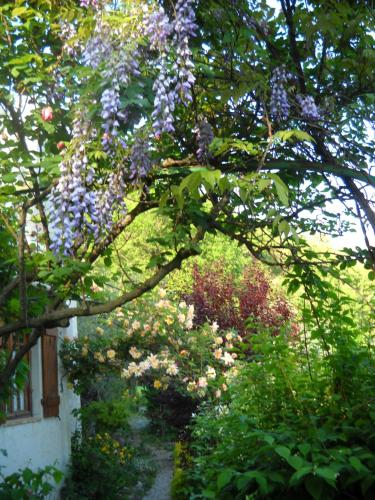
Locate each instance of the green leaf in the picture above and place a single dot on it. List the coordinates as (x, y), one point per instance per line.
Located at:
(19, 11)
(209, 494)
(58, 476)
(178, 196)
(314, 486)
(299, 474)
(293, 286)
(328, 474)
(211, 177)
(224, 478)
(281, 189)
(263, 184)
(163, 199)
(284, 228)
(295, 461)
(244, 193)
(357, 464)
(107, 261)
(287, 135)
(249, 476)
(283, 451)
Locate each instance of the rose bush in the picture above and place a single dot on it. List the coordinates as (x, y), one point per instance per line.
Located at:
(155, 345)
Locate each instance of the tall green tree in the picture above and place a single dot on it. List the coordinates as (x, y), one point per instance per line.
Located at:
(229, 117)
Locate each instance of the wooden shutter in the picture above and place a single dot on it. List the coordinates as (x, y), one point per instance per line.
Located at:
(51, 398)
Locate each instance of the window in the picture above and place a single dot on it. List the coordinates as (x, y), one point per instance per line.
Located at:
(19, 404)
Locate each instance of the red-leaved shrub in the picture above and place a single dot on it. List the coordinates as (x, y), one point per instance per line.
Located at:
(218, 296)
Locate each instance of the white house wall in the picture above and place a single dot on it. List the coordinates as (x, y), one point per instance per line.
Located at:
(36, 441)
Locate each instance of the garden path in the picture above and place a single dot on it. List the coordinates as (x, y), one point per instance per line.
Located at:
(161, 458)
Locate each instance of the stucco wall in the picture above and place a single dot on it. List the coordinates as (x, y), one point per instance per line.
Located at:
(35, 441)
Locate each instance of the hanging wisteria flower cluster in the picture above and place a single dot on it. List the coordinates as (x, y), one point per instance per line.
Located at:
(140, 162)
(205, 136)
(74, 212)
(168, 90)
(308, 107)
(112, 198)
(164, 103)
(68, 35)
(98, 48)
(117, 60)
(80, 208)
(111, 113)
(157, 29)
(279, 103)
(185, 28)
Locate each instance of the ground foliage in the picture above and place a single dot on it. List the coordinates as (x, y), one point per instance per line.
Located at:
(299, 417)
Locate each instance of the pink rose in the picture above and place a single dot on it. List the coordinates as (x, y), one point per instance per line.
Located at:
(47, 114)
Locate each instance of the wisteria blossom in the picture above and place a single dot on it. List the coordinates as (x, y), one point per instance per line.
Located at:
(308, 107)
(279, 103)
(140, 162)
(205, 136)
(73, 203)
(184, 28)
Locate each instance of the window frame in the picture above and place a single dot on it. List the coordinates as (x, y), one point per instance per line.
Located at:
(25, 393)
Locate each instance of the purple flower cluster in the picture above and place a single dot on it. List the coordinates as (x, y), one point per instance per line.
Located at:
(205, 136)
(279, 103)
(185, 28)
(164, 102)
(110, 102)
(168, 90)
(67, 35)
(88, 3)
(140, 162)
(125, 65)
(77, 209)
(308, 107)
(158, 28)
(99, 47)
(74, 210)
(117, 59)
(111, 200)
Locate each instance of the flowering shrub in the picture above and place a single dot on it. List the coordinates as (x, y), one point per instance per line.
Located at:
(111, 447)
(101, 467)
(156, 345)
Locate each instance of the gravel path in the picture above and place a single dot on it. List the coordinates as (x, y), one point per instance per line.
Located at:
(162, 485)
(161, 458)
